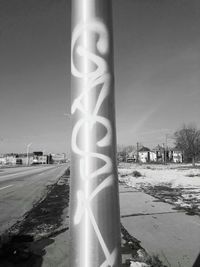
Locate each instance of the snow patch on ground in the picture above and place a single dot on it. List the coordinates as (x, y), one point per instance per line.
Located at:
(182, 181)
(138, 264)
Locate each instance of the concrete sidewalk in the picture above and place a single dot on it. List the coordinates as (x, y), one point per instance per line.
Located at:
(57, 253)
(171, 234)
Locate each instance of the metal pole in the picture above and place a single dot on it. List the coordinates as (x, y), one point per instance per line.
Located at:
(27, 154)
(43, 157)
(166, 149)
(94, 198)
(137, 156)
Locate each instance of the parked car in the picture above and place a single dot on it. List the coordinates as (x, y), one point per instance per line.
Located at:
(130, 160)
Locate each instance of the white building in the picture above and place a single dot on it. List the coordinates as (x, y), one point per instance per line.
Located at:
(160, 155)
(177, 156)
(144, 154)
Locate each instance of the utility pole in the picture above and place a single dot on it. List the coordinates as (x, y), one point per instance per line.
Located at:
(68, 116)
(164, 154)
(166, 149)
(27, 154)
(94, 198)
(137, 155)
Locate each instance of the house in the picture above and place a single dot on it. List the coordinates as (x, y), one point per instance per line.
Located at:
(144, 154)
(39, 158)
(177, 156)
(160, 153)
(153, 156)
(8, 159)
(2, 160)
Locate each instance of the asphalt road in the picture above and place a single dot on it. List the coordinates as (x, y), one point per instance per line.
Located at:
(21, 187)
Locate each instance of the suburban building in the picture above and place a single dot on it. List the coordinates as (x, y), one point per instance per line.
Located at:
(177, 156)
(146, 155)
(23, 159)
(160, 155)
(59, 158)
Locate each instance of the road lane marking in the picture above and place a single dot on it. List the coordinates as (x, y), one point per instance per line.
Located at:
(27, 172)
(6, 186)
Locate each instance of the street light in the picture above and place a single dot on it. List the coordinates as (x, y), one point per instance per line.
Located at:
(1, 141)
(43, 158)
(27, 152)
(68, 116)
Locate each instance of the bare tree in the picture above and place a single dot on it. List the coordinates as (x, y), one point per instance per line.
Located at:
(120, 147)
(129, 148)
(187, 139)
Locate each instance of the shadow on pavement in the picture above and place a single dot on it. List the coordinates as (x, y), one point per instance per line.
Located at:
(24, 243)
(23, 251)
(197, 262)
(146, 214)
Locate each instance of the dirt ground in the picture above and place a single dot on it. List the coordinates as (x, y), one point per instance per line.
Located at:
(25, 242)
(177, 184)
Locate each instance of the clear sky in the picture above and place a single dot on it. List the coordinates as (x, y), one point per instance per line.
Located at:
(157, 71)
